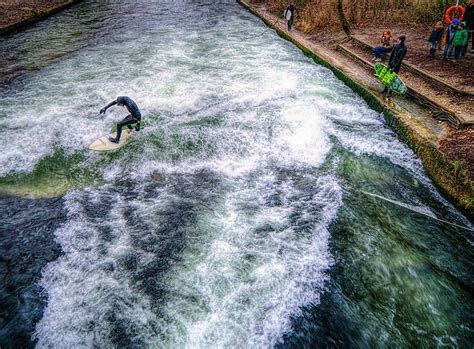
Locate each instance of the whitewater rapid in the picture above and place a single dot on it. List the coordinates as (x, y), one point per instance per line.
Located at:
(212, 228)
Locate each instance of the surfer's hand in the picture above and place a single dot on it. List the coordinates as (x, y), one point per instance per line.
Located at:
(137, 127)
(102, 111)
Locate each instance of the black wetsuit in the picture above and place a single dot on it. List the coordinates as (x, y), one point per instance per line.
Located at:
(133, 118)
(292, 9)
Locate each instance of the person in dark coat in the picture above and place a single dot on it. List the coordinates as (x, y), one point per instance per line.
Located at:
(469, 19)
(435, 38)
(398, 54)
(292, 12)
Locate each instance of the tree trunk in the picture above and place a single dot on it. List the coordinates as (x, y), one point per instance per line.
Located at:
(342, 17)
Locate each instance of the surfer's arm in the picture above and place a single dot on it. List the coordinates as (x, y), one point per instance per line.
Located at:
(103, 110)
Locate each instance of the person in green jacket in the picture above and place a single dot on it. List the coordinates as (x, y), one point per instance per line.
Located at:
(460, 40)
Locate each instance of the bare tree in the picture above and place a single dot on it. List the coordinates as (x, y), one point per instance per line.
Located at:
(342, 18)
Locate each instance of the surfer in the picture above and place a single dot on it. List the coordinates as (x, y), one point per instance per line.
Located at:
(398, 53)
(133, 118)
(290, 13)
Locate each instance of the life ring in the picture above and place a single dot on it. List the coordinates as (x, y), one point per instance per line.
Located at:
(454, 12)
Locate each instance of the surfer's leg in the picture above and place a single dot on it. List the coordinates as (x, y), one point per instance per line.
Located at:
(118, 134)
(127, 121)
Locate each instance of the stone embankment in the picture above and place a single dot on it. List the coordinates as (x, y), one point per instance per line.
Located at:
(17, 14)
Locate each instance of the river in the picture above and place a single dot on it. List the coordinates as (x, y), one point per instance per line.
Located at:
(264, 204)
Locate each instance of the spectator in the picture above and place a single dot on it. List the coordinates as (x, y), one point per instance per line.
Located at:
(435, 38)
(469, 18)
(460, 40)
(448, 47)
(398, 54)
(385, 40)
(290, 14)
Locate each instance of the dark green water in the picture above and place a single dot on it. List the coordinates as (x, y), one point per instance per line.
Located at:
(264, 205)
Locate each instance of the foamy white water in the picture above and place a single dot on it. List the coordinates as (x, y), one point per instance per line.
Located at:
(211, 229)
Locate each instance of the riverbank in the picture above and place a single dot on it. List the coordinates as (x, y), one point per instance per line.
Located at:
(440, 147)
(18, 13)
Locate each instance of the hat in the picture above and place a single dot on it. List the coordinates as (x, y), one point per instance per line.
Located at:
(455, 21)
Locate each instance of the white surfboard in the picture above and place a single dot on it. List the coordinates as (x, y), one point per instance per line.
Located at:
(287, 14)
(103, 144)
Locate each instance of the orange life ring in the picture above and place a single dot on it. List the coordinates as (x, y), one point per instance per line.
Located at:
(454, 12)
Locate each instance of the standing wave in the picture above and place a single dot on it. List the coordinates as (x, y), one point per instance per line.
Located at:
(226, 264)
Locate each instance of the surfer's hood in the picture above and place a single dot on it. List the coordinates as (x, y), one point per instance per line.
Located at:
(121, 100)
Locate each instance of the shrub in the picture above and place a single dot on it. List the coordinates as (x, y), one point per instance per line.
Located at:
(317, 14)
